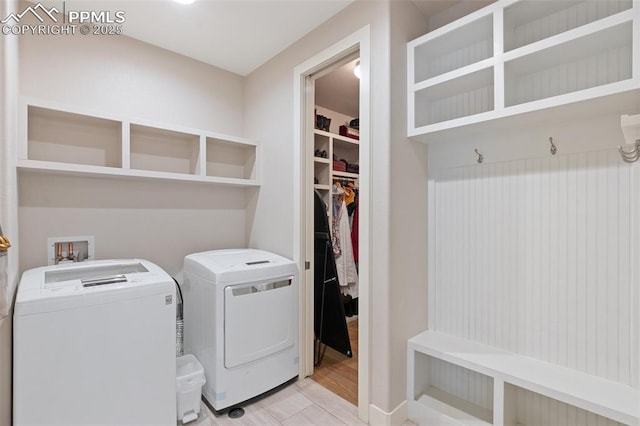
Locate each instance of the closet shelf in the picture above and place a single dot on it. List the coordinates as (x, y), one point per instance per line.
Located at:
(60, 139)
(346, 175)
(339, 147)
(336, 137)
(518, 57)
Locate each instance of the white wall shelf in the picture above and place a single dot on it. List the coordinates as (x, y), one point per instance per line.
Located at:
(341, 147)
(527, 22)
(466, 95)
(345, 175)
(464, 45)
(521, 56)
(507, 372)
(54, 135)
(65, 140)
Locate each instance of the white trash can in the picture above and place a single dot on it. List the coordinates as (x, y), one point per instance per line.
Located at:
(189, 381)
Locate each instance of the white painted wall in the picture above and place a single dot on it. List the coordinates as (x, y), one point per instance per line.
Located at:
(407, 292)
(8, 197)
(159, 221)
(269, 112)
(120, 75)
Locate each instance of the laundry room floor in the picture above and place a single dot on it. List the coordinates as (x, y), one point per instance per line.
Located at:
(302, 403)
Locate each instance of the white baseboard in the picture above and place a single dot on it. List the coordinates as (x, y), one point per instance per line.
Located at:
(379, 417)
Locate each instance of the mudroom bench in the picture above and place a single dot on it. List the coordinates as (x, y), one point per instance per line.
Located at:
(505, 374)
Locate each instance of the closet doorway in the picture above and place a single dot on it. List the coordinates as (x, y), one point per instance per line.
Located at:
(348, 50)
(336, 186)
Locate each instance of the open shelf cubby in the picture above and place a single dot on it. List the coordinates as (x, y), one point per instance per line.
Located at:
(595, 60)
(456, 49)
(161, 150)
(461, 97)
(468, 398)
(519, 57)
(523, 407)
(529, 21)
(322, 172)
(65, 137)
(230, 159)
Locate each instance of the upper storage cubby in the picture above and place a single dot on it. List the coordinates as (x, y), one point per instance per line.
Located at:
(463, 96)
(62, 139)
(465, 45)
(227, 159)
(529, 21)
(523, 56)
(163, 150)
(597, 59)
(73, 138)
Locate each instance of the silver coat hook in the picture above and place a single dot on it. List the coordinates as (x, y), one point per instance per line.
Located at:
(630, 156)
(554, 148)
(480, 157)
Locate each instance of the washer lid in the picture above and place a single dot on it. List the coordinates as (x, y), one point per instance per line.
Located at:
(58, 287)
(238, 265)
(92, 274)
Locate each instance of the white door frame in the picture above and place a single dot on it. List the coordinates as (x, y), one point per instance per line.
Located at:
(303, 201)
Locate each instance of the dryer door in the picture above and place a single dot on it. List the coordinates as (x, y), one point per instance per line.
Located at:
(259, 320)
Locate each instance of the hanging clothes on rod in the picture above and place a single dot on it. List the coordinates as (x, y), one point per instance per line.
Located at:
(354, 230)
(343, 249)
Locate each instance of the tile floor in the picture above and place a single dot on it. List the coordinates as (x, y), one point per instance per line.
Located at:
(302, 403)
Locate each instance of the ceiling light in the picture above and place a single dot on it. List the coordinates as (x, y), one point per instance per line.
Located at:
(356, 70)
(184, 1)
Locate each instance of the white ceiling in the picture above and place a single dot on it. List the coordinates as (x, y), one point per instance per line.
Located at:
(241, 35)
(235, 35)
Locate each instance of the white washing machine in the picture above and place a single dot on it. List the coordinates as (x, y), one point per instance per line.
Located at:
(241, 322)
(94, 344)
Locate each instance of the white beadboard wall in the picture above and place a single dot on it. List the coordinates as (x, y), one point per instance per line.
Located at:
(566, 17)
(537, 256)
(461, 383)
(536, 410)
(608, 65)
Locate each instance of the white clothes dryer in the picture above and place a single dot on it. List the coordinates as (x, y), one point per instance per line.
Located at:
(241, 322)
(94, 344)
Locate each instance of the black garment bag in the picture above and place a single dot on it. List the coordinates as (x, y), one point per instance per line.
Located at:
(330, 324)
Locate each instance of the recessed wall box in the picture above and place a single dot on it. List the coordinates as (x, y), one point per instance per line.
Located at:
(62, 250)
